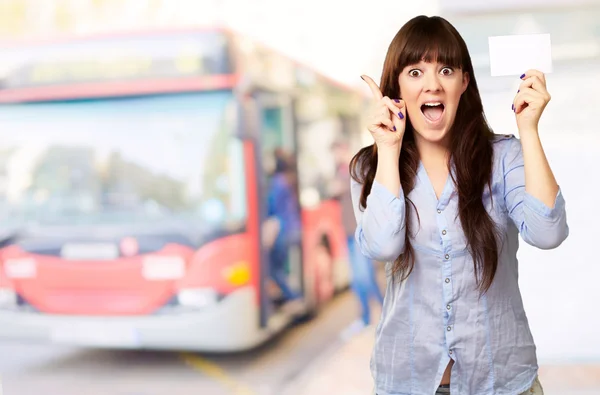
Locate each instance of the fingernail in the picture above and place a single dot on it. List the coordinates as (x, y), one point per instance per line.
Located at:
(394, 128)
(513, 107)
(522, 76)
(397, 101)
(362, 78)
(518, 91)
(400, 115)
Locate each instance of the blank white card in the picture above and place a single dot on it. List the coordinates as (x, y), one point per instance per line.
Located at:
(515, 54)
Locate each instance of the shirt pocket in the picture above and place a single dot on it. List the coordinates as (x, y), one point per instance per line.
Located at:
(495, 205)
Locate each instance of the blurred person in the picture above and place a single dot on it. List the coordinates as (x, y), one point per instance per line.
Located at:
(364, 281)
(283, 220)
(442, 200)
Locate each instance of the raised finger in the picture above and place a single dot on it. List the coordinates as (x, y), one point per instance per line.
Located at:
(377, 95)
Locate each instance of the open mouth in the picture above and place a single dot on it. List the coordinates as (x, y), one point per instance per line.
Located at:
(433, 111)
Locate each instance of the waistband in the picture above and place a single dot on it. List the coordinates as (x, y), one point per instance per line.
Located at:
(443, 389)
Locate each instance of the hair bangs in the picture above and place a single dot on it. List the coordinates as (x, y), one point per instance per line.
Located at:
(432, 41)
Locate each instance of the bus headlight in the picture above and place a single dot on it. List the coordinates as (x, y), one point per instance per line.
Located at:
(159, 267)
(198, 297)
(237, 274)
(8, 298)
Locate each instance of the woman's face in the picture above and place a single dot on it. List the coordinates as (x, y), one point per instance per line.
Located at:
(432, 92)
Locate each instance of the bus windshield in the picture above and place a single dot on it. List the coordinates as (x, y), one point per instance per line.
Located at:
(135, 161)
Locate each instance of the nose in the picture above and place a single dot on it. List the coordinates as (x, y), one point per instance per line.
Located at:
(432, 83)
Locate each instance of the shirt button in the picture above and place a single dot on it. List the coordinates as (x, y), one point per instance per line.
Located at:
(449, 328)
(447, 256)
(447, 280)
(439, 211)
(444, 232)
(448, 307)
(450, 352)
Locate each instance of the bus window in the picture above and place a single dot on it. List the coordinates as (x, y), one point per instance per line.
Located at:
(316, 159)
(147, 161)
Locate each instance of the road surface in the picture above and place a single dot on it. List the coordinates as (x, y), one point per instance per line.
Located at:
(52, 370)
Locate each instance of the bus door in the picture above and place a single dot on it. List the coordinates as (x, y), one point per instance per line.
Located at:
(281, 222)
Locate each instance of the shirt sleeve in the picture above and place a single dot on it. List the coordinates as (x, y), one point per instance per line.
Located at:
(539, 225)
(380, 229)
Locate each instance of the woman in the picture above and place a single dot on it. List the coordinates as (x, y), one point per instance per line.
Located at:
(442, 199)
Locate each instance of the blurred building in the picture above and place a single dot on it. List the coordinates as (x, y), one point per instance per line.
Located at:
(340, 39)
(33, 18)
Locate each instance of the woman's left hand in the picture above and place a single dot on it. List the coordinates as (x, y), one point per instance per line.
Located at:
(530, 101)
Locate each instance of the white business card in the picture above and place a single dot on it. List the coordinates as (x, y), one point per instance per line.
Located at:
(515, 54)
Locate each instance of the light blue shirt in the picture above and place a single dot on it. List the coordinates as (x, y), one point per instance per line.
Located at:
(436, 314)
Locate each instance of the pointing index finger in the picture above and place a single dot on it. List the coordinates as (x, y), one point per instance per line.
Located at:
(377, 95)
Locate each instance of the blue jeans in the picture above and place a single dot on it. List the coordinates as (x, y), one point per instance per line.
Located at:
(278, 257)
(364, 282)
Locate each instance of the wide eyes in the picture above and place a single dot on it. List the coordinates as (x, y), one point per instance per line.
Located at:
(446, 71)
(415, 73)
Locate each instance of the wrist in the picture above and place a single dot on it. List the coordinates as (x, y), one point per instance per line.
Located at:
(528, 131)
(529, 135)
(389, 153)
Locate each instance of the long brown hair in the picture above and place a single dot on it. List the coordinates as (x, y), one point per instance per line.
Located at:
(434, 39)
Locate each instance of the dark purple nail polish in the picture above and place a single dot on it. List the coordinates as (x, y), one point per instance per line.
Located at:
(397, 101)
(518, 91)
(513, 107)
(522, 76)
(394, 128)
(400, 115)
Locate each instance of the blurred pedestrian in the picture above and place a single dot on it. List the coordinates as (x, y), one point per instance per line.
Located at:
(364, 280)
(443, 201)
(283, 211)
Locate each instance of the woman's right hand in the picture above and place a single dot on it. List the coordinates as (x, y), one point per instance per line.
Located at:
(387, 119)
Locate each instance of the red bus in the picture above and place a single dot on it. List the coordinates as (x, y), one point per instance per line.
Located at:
(134, 185)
